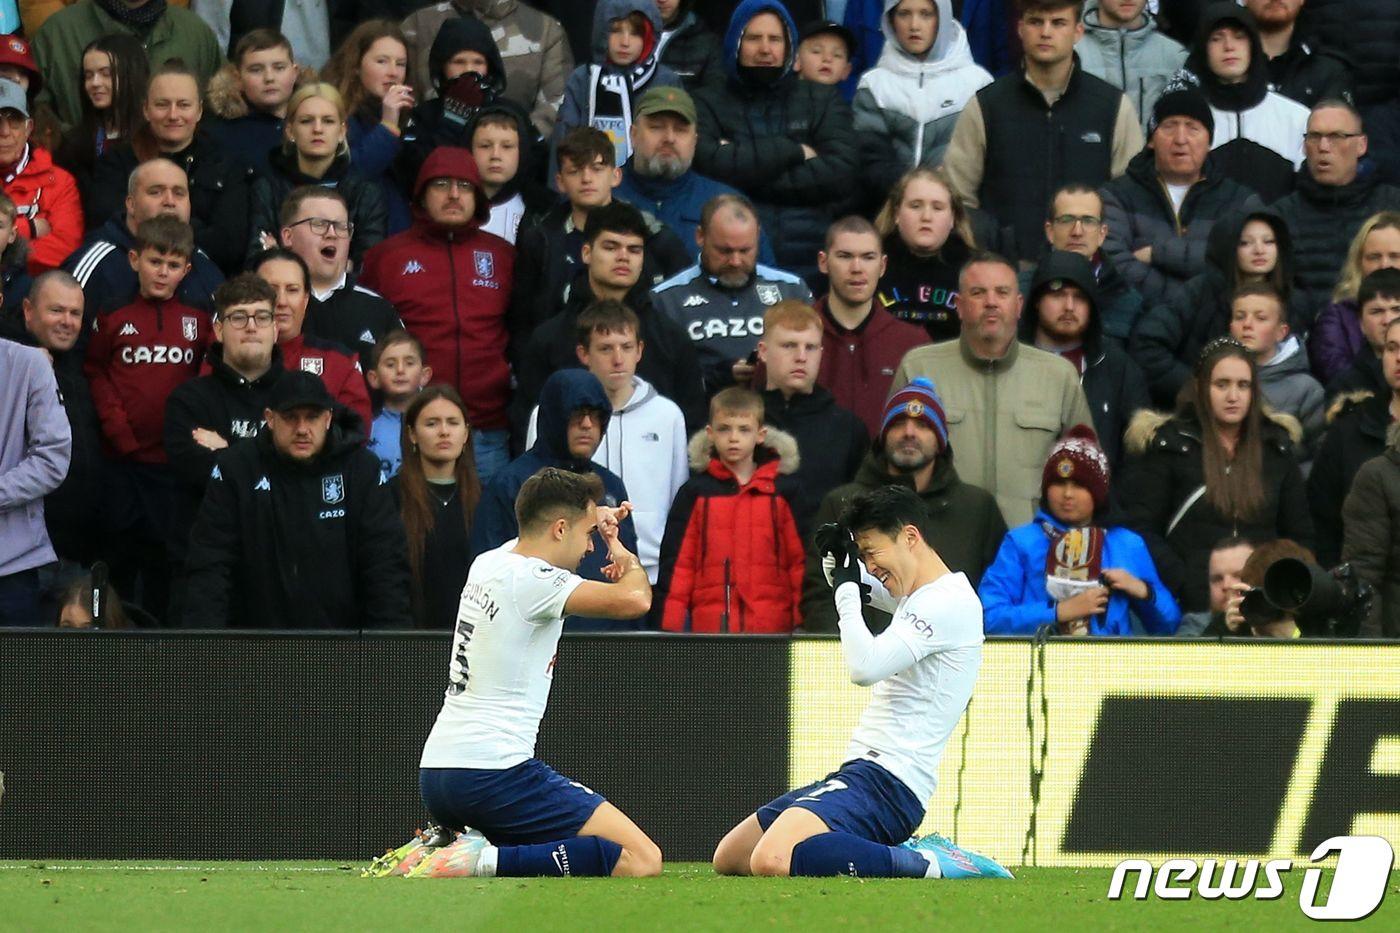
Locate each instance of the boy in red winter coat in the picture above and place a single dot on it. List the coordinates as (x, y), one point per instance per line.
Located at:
(138, 354)
(731, 557)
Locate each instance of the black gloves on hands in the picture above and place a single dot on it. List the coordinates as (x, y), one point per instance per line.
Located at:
(834, 543)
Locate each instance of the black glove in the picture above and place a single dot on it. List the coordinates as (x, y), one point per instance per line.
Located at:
(831, 538)
(847, 569)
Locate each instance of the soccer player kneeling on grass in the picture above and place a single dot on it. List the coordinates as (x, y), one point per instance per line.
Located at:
(478, 771)
(856, 820)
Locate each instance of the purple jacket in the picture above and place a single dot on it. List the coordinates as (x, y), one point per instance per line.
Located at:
(1335, 340)
(35, 443)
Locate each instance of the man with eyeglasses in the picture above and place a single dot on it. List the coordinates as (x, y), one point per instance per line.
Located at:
(316, 226)
(1075, 224)
(223, 408)
(1335, 194)
(451, 282)
(1161, 211)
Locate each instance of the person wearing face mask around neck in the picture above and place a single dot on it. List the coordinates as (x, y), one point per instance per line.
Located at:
(747, 135)
(219, 186)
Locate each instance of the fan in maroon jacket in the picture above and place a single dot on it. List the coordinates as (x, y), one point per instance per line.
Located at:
(862, 343)
(139, 353)
(337, 365)
(451, 283)
(731, 557)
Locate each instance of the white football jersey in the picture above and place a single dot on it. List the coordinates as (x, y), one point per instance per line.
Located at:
(912, 713)
(508, 627)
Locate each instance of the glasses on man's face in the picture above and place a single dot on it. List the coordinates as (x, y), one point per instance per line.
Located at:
(1089, 221)
(447, 184)
(1333, 139)
(241, 319)
(321, 225)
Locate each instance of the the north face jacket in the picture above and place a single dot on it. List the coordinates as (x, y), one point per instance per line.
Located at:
(137, 356)
(751, 133)
(279, 544)
(532, 44)
(905, 107)
(451, 287)
(1003, 415)
(731, 560)
(1139, 62)
(43, 191)
(724, 324)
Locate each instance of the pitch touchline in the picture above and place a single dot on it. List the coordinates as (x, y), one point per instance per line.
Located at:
(119, 867)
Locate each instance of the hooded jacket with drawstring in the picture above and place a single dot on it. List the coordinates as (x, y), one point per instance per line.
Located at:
(1139, 61)
(451, 287)
(1170, 334)
(751, 133)
(645, 446)
(1113, 384)
(906, 106)
(1289, 387)
(591, 86)
(1258, 138)
(279, 544)
(732, 559)
(494, 523)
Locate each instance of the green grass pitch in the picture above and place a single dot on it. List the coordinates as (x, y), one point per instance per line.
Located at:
(205, 897)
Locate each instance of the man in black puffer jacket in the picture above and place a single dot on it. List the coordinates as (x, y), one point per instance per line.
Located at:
(787, 143)
(1335, 194)
(1062, 316)
(297, 528)
(687, 47)
(1300, 67)
(1368, 33)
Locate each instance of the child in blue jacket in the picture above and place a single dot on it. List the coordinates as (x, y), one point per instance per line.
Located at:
(1064, 569)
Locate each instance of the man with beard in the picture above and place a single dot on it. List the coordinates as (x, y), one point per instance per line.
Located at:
(911, 450)
(659, 177)
(720, 301)
(1299, 67)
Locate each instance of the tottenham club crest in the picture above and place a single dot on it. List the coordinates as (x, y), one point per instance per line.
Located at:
(313, 364)
(333, 489)
(484, 263)
(769, 294)
(189, 326)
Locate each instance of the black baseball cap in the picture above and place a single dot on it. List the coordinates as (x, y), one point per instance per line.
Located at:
(824, 26)
(299, 389)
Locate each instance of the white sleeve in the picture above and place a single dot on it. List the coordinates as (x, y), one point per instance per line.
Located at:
(541, 592)
(869, 658)
(680, 460)
(880, 597)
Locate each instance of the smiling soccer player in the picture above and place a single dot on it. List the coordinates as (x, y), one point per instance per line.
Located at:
(856, 820)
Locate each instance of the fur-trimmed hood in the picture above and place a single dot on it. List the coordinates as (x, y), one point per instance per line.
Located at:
(224, 96)
(1346, 400)
(1143, 427)
(779, 444)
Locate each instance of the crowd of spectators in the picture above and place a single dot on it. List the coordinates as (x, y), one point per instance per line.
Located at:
(296, 298)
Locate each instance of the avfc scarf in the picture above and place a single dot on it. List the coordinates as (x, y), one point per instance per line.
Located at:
(1074, 561)
(610, 107)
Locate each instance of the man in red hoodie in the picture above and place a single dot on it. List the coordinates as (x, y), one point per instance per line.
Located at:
(863, 343)
(451, 283)
(139, 353)
(337, 365)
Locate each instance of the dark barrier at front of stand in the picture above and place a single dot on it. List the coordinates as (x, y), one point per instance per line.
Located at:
(239, 746)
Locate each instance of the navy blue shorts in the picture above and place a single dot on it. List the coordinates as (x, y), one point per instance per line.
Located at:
(860, 798)
(523, 805)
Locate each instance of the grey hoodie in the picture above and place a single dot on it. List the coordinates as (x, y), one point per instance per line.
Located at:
(1139, 61)
(1289, 387)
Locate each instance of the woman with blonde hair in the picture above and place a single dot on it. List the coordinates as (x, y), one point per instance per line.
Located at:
(927, 235)
(1337, 339)
(372, 69)
(314, 151)
(1221, 465)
